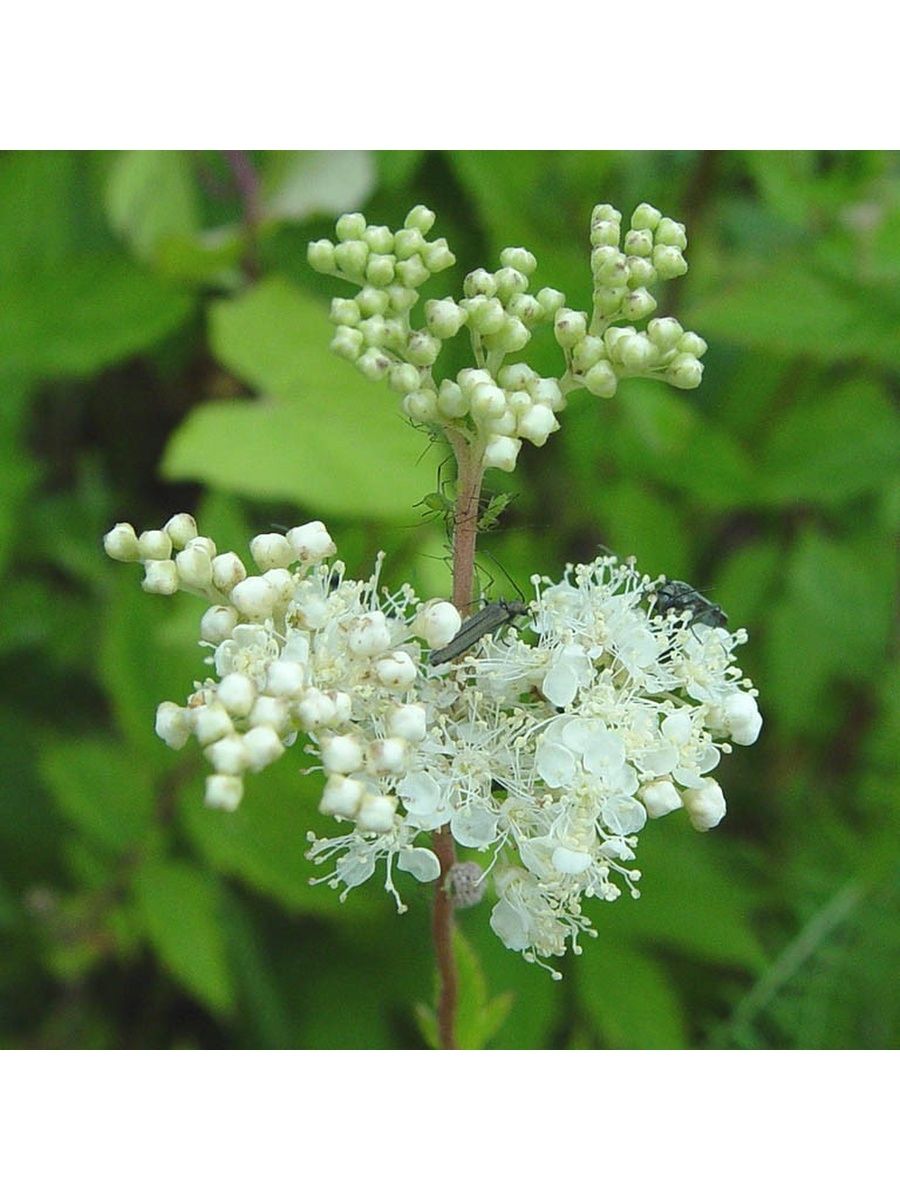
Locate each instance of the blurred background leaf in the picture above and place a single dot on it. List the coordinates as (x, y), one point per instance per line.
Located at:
(164, 346)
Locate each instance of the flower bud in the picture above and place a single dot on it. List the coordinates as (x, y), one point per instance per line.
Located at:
(347, 343)
(380, 269)
(369, 635)
(254, 597)
(420, 218)
(638, 304)
(396, 670)
(181, 528)
(269, 710)
(155, 544)
(351, 258)
(211, 722)
(609, 267)
(387, 756)
(485, 314)
(451, 401)
(444, 317)
(488, 400)
(438, 622)
(403, 378)
(173, 724)
(311, 542)
(342, 797)
(350, 226)
(547, 391)
(692, 343)
(510, 283)
(342, 754)
(664, 333)
(374, 364)
(586, 352)
(518, 403)
(660, 797)
(608, 300)
(742, 718)
(684, 371)
(519, 259)
(516, 376)
(641, 272)
(412, 272)
(400, 299)
(537, 425)
(321, 257)
(551, 301)
(639, 242)
(437, 256)
(160, 577)
(421, 405)
(527, 308)
(569, 327)
(207, 545)
(263, 747)
(228, 755)
(374, 330)
(408, 721)
(670, 233)
(645, 216)
(378, 238)
(217, 624)
(705, 806)
(422, 349)
(601, 380)
(502, 452)
(408, 242)
(271, 550)
(480, 283)
(669, 262)
(605, 212)
(376, 813)
(223, 792)
(315, 709)
(285, 679)
(605, 233)
(635, 352)
(236, 693)
(121, 543)
(194, 568)
(342, 703)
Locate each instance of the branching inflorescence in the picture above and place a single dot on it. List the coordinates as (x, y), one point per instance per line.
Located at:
(540, 753)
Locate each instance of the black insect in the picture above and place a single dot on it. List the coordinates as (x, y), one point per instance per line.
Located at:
(677, 596)
(489, 619)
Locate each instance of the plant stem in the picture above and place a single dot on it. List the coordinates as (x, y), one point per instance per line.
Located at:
(470, 471)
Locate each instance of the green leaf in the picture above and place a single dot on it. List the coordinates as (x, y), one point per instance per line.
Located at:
(477, 1017)
(693, 900)
(18, 472)
(151, 196)
(791, 310)
(308, 183)
(844, 444)
(330, 441)
(101, 789)
(182, 911)
(397, 167)
(83, 316)
(629, 997)
(673, 441)
(834, 619)
(749, 581)
(638, 522)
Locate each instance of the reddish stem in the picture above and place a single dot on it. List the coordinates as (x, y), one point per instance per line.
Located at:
(465, 531)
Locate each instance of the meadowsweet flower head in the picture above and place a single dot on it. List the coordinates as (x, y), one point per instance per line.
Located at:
(544, 749)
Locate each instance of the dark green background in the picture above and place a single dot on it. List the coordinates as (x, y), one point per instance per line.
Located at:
(145, 298)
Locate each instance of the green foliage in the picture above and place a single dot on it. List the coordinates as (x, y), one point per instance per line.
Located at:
(130, 915)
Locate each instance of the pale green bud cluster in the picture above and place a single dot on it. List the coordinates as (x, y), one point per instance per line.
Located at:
(497, 405)
(600, 352)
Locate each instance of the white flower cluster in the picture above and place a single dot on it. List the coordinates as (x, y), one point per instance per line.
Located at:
(543, 751)
(498, 405)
